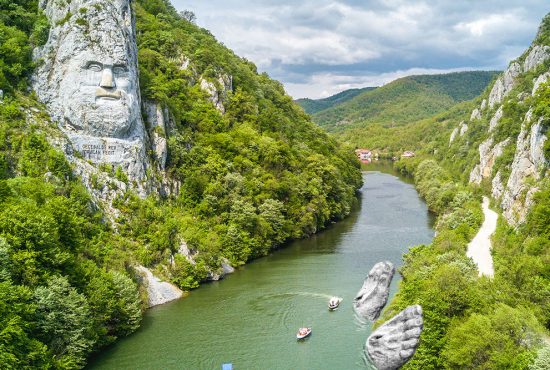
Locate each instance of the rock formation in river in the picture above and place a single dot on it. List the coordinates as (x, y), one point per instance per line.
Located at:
(373, 295)
(88, 79)
(394, 343)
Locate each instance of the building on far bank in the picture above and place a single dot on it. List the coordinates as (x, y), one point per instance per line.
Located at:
(364, 155)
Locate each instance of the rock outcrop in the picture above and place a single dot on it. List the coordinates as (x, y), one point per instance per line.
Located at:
(373, 295)
(463, 128)
(504, 84)
(393, 344)
(515, 193)
(543, 78)
(487, 156)
(528, 162)
(212, 275)
(160, 123)
(217, 90)
(460, 130)
(495, 119)
(497, 188)
(158, 292)
(476, 114)
(537, 55)
(453, 135)
(225, 270)
(88, 79)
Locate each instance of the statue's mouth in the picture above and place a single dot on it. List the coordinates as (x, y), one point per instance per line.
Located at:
(101, 93)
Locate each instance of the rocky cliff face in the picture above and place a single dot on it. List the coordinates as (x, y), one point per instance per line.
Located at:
(88, 79)
(514, 192)
(529, 163)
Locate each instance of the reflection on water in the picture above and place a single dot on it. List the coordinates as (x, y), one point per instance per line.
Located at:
(251, 318)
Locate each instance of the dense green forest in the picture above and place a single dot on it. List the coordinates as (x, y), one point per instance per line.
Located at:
(404, 101)
(476, 322)
(312, 106)
(422, 135)
(251, 179)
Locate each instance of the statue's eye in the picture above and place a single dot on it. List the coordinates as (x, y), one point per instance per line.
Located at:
(96, 67)
(120, 69)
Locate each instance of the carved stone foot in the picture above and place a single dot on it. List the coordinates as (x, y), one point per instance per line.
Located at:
(372, 297)
(394, 343)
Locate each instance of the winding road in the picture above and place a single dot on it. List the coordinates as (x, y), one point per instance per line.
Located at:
(479, 248)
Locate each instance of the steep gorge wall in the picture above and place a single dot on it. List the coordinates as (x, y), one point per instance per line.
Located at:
(508, 109)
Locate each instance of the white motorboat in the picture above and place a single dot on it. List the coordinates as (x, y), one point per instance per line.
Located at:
(333, 303)
(303, 332)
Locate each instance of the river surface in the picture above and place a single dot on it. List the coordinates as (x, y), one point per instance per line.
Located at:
(250, 318)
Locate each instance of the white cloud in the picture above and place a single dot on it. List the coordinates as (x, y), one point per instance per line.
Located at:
(495, 22)
(330, 84)
(368, 39)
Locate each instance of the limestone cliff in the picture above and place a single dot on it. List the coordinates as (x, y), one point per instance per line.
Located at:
(88, 79)
(511, 153)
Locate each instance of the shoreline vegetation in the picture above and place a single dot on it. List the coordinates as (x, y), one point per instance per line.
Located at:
(495, 323)
(250, 179)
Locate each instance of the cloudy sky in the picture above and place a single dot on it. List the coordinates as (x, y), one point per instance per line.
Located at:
(318, 48)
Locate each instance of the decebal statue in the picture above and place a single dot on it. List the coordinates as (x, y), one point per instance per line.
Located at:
(88, 79)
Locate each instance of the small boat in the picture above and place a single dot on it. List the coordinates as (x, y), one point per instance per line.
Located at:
(303, 332)
(333, 303)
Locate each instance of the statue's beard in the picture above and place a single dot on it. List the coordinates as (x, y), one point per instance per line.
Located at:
(104, 117)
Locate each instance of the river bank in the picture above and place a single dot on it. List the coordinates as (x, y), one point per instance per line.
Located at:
(251, 317)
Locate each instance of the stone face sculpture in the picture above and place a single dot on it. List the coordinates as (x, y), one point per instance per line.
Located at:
(88, 79)
(393, 344)
(372, 297)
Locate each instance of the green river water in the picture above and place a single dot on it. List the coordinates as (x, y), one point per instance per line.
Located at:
(251, 317)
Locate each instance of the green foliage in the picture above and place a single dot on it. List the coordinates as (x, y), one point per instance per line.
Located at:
(312, 106)
(252, 178)
(542, 109)
(499, 340)
(22, 27)
(62, 319)
(542, 361)
(510, 123)
(404, 101)
(18, 346)
(56, 303)
(543, 34)
(472, 323)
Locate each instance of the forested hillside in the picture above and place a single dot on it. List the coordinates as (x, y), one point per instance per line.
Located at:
(495, 146)
(404, 101)
(250, 177)
(312, 106)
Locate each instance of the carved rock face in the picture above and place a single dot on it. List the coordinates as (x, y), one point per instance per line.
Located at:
(98, 95)
(393, 344)
(372, 297)
(88, 78)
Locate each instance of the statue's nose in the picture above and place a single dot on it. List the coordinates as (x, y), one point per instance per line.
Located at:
(107, 78)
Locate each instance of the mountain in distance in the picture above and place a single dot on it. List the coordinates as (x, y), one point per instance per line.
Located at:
(405, 100)
(312, 106)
